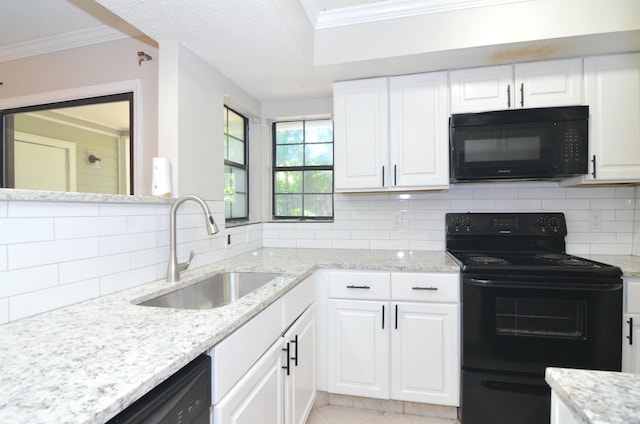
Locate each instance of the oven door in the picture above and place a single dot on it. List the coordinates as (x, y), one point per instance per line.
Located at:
(525, 325)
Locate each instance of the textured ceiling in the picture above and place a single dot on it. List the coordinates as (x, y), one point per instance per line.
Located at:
(267, 46)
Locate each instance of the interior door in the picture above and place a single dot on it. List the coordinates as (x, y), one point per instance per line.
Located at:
(44, 163)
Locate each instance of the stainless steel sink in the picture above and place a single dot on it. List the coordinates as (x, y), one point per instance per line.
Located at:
(212, 292)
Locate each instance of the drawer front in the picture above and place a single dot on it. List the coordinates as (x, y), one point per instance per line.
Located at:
(426, 287)
(359, 285)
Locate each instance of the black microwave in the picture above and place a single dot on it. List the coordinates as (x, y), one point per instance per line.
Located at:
(542, 143)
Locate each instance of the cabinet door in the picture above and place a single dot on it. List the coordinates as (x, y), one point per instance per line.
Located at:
(631, 343)
(361, 122)
(258, 396)
(425, 353)
(612, 91)
(300, 384)
(419, 143)
(549, 83)
(482, 89)
(358, 348)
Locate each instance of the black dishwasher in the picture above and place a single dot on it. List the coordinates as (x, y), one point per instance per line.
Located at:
(183, 398)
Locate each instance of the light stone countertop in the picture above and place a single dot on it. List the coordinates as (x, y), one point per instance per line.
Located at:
(630, 265)
(597, 397)
(87, 362)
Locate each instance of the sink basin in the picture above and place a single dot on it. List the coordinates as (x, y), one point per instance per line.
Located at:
(212, 292)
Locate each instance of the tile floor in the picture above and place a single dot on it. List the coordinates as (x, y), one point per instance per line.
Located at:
(335, 414)
(341, 409)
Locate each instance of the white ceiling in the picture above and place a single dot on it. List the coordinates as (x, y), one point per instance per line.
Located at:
(265, 46)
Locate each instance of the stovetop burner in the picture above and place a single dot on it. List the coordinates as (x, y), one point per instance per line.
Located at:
(519, 244)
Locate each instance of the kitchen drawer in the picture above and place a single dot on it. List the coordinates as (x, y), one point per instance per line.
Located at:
(426, 287)
(632, 295)
(359, 285)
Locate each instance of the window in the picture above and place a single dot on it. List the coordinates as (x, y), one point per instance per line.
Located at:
(236, 193)
(303, 169)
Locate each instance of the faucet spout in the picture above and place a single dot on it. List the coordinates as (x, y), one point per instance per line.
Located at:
(174, 268)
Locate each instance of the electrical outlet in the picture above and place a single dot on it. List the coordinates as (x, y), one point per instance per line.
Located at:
(396, 220)
(595, 220)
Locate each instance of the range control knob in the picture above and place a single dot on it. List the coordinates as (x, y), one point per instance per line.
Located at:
(542, 223)
(554, 224)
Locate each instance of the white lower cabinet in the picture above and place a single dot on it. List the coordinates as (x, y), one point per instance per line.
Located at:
(631, 326)
(404, 346)
(358, 348)
(278, 386)
(259, 396)
(300, 381)
(560, 412)
(424, 346)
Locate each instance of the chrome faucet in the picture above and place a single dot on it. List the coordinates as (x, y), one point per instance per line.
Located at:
(174, 268)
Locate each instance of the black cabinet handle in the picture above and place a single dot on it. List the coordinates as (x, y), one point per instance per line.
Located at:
(395, 175)
(382, 175)
(424, 288)
(286, 367)
(364, 287)
(508, 95)
(396, 317)
(522, 94)
(295, 358)
(594, 167)
(383, 317)
(630, 336)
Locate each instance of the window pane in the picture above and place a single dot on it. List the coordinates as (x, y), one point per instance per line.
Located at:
(288, 182)
(318, 181)
(235, 150)
(288, 204)
(235, 125)
(289, 155)
(318, 205)
(319, 131)
(289, 132)
(318, 154)
(235, 183)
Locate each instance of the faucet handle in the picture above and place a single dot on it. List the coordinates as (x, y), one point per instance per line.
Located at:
(184, 265)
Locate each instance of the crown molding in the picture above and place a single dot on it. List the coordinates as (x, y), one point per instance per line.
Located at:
(65, 41)
(383, 10)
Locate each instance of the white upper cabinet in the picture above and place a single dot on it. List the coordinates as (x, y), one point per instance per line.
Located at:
(419, 140)
(391, 133)
(528, 85)
(360, 130)
(612, 92)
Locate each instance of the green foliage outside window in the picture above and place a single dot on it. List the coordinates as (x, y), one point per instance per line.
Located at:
(303, 169)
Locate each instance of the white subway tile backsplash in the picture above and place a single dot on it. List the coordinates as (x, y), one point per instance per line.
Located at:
(124, 280)
(3, 257)
(110, 245)
(4, 311)
(25, 230)
(87, 269)
(35, 302)
(28, 279)
(33, 254)
(68, 228)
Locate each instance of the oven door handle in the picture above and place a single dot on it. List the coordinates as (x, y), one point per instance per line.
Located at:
(544, 286)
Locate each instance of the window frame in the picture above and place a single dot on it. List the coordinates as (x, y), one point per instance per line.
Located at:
(302, 168)
(237, 165)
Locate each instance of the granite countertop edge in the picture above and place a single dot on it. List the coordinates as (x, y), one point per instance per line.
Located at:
(597, 397)
(86, 362)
